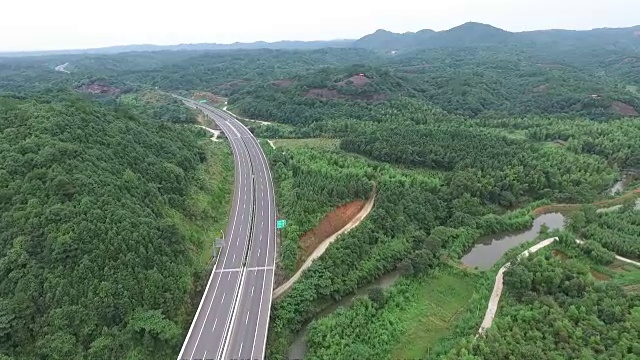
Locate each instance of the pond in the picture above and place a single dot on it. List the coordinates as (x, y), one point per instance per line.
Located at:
(489, 249)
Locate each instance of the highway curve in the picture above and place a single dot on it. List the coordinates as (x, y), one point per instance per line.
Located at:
(233, 316)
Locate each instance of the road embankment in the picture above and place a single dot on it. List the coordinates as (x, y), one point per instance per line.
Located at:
(324, 245)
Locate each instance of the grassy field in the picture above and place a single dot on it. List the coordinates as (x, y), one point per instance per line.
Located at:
(439, 302)
(319, 143)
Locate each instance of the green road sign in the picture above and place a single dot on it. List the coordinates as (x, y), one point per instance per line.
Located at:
(203, 101)
(281, 223)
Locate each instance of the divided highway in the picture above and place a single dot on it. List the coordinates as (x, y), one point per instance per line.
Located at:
(233, 316)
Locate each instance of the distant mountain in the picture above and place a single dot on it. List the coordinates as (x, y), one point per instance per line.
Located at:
(204, 46)
(469, 34)
(386, 40)
(477, 34)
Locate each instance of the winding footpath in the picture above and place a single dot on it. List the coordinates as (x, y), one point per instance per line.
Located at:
(324, 245)
(492, 308)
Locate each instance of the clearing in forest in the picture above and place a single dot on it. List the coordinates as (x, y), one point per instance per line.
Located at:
(436, 306)
(624, 109)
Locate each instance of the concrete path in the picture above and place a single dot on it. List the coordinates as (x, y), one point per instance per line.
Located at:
(492, 308)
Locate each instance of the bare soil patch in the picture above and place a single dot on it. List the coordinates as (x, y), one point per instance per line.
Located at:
(203, 95)
(599, 276)
(623, 109)
(560, 254)
(356, 80)
(329, 225)
(283, 83)
(99, 88)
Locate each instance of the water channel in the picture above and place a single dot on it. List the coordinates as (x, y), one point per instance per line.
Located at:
(298, 348)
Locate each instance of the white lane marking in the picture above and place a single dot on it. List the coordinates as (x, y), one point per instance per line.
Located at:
(252, 287)
(240, 352)
(240, 171)
(247, 319)
(234, 258)
(215, 290)
(228, 278)
(205, 354)
(261, 268)
(271, 232)
(237, 300)
(229, 270)
(214, 325)
(258, 252)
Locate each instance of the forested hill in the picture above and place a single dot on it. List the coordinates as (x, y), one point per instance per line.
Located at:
(496, 81)
(474, 34)
(91, 264)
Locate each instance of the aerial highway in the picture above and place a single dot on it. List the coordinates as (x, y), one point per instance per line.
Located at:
(232, 319)
(249, 331)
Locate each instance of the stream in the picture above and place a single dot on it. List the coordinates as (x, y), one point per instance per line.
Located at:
(298, 347)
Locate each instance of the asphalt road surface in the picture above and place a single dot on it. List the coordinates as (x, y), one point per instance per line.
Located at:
(233, 316)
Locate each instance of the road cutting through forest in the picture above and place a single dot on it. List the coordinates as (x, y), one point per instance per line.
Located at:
(324, 245)
(492, 307)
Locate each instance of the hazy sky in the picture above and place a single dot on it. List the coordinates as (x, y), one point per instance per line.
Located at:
(71, 24)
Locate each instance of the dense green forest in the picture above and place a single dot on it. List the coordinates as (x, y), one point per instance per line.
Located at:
(222, 72)
(568, 301)
(415, 221)
(97, 200)
(470, 81)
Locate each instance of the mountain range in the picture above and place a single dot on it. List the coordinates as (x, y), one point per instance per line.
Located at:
(468, 34)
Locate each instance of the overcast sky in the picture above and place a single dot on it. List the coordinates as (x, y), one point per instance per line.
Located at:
(72, 24)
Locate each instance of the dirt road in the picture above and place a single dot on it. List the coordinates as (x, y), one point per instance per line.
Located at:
(323, 247)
